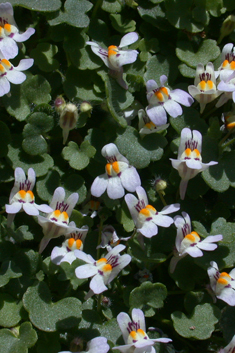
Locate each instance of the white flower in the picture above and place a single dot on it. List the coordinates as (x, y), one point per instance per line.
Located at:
(10, 73)
(96, 345)
(230, 348)
(134, 334)
(109, 238)
(74, 241)
(146, 217)
(114, 58)
(103, 270)
(57, 222)
(119, 175)
(204, 89)
(22, 197)
(222, 284)
(189, 162)
(9, 33)
(190, 243)
(146, 126)
(162, 99)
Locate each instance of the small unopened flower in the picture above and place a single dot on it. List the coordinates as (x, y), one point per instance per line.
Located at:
(91, 208)
(204, 89)
(109, 238)
(74, 241)
(57, 221)
(222, 284)
(102, 271)
(12, 74)
(9, 33)
(96, 345)
(145, 216)
(134, 333)
(22, 197)
(68, 119)
(230, 348)
(228, 119)
(162, 99)
(86, 107)
(227, 27)
(118, 177)
(146, 126)
(188, 242)
(189, 162)
(144, 276)
(114, 57)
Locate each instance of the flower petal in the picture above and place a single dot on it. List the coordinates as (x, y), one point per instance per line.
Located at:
(16, 77)
(115, 189)
(99, 185)
(151, 85)
(157, 114)
(194, 251)
(138, 316)
(98, 345)
(181, 97)
(97, 284)
(130, 179)
(24, 64)
(101, 52)
(4, 86)
(30, 209)
(149, 229)
(128, 39)
(173, 108)
(9, 48)
(14, 208)
(86, 271)
(24, 36)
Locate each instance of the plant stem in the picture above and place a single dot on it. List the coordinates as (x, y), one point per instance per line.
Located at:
(226, 136)
(98, 3)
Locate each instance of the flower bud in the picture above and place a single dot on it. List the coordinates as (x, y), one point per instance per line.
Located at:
(159, 185)
(86, 107)
(68, 119)
(227, 27)
(59, 104)
(229, 121)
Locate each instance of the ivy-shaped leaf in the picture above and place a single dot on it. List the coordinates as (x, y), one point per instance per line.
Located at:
(74, 14)
(11, 310)
(42, 5)
(18, 340)
(35, 90)
(200, 324)
(148, 297)
(48, 316)
(208, 51)
(78, 158)
(8, 270)
(140, 152)
(19, 158)
(43, 57)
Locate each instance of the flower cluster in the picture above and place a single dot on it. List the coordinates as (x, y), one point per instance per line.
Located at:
(9, 37)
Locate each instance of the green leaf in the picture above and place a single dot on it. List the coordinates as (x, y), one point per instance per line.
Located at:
(118, 99)
(5, 138)
(18, 158)
(148, 297)
(199, 325)
(208, 51)
(140, 152)
(78, 157)
(11, 308)
(18, 339)
(80, 84)
(42, 5)
(159, 65)
(47, 185)
(123, 216)
(221, 176)
(75, 183)
(186, 71)
(154, 15)
(8, 270)
(122, 24)
(35, 90)
(48, 342)
(227, 323)
(48, 316)
(21, 234)
(191, 119)
(34, 143)
(181, 15)
(74, 14)
(43, 56)
(112, 6)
